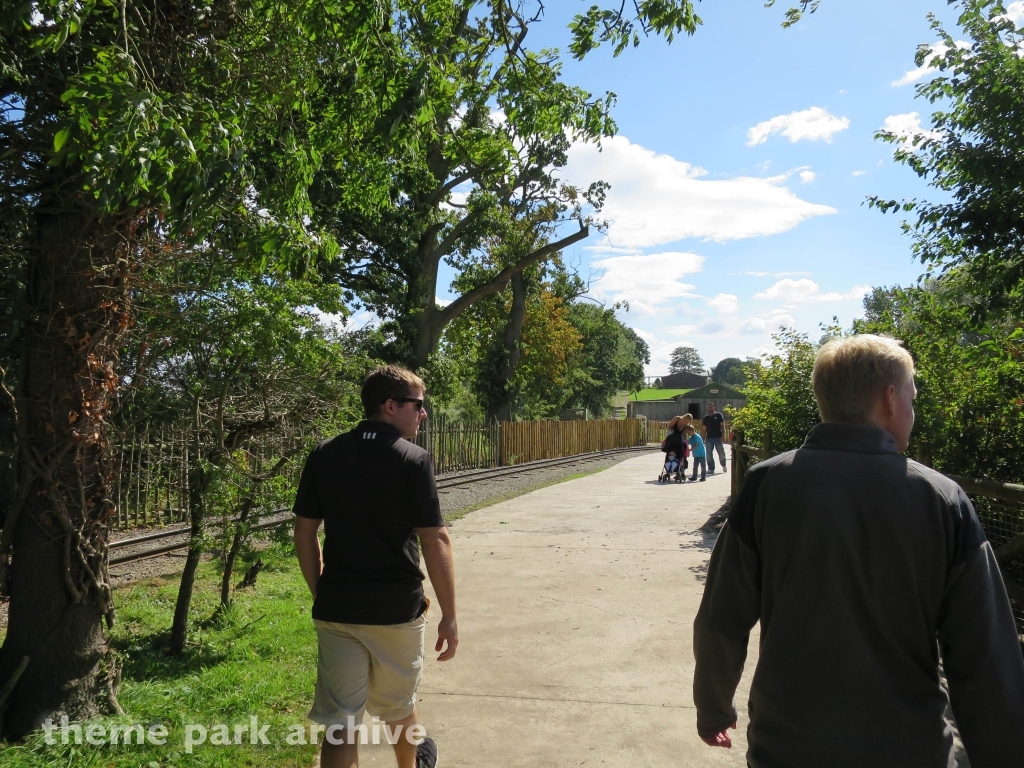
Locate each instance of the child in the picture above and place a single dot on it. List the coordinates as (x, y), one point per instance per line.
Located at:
(696, 443)
(671, 464)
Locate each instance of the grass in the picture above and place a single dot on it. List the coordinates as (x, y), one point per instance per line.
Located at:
(256, 659)
(656, 394)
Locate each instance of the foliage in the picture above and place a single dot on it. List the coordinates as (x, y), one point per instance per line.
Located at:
(730, 372)
(612, 358)
(476, 187)
(613, 25)
(686, 359)
(779, 394)
(973, 156)
(970, 413)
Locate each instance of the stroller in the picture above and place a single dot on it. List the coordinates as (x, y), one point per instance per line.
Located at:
(672, 471)
(676, 450)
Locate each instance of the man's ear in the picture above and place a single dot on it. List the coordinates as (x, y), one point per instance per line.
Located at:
(890, 399)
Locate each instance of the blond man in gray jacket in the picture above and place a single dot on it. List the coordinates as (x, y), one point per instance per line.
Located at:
(861, 566)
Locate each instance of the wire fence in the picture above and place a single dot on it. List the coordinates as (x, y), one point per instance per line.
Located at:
(1003, 521)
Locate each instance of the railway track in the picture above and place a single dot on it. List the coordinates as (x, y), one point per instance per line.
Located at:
(130, 550)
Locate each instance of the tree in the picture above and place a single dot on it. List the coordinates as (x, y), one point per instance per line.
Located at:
(970, 415)
(480, 170)
(779, 393)
(686, 359)
(612, 358)
(518, 344)
(123, 127)
(974, 156)
(239, 358)
(729, 371)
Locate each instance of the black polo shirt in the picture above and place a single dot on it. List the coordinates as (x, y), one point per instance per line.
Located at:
(713, 424)
(372, 489)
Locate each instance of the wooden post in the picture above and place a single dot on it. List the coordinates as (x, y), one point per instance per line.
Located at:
(767, 449)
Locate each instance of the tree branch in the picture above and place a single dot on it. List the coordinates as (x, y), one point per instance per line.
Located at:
(500, 280)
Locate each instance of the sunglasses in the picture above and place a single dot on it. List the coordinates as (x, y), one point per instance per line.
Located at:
(418, 401)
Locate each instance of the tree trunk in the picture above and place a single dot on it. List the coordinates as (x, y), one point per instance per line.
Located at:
(501, 407)
(199, 484)
(53, 548)
(241, 530)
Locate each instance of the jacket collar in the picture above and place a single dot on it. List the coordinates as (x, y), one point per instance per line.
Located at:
(857, 438)
(380, 427)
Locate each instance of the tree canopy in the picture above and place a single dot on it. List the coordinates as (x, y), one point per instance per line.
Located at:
(974, 155)
(686, 359)
(729, 371)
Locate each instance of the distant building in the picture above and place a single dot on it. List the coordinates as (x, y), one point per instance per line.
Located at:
(684, 380)
(695, 402)
(726, 399)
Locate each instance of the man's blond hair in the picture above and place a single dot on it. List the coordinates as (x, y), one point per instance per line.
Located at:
(850, 373)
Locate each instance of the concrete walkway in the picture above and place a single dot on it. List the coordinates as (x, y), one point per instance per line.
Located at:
(576, 607)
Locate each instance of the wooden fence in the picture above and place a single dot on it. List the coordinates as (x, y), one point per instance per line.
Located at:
(533, 440)
(1000, 508)
(658, 430)
(458, 445)
(153, 463)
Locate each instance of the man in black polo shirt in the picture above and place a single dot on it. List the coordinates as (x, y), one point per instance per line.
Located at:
(375, 494)
(713, 422)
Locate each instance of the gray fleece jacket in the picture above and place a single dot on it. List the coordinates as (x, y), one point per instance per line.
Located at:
(859, 563)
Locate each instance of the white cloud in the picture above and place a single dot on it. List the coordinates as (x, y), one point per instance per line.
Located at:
(807, 290)
(758, 274)
(811, 124)
(807, 176)
(442, 302)
(759, 351)
(859, 173)
(726, 303)
(790, 290)
(768, 322)
(908, 127)
(935, 51)
(1015, 11)
(655, 199)
(648, 280)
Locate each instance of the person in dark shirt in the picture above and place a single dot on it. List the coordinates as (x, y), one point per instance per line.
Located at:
(713, 436)
(862, 567)
(374, 492)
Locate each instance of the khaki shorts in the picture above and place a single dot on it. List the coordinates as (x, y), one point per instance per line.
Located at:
(376, 668)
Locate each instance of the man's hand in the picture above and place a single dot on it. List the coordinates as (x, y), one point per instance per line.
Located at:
(447, 631)
(720, 739)
(437, 555)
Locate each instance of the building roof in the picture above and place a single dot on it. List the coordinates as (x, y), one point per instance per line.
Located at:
(684, 380)
(712, 390)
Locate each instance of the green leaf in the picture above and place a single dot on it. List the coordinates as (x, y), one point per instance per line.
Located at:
(60, 139)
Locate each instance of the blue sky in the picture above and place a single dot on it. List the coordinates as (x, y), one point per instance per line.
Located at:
(743, 160)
